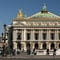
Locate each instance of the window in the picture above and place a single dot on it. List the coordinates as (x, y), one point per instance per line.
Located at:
(19, 37)
(36, 36)
(28, 36)
(52, 36)
(59, 36)
(44, 36)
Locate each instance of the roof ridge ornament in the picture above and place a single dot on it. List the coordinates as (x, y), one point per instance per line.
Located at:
(44, 9)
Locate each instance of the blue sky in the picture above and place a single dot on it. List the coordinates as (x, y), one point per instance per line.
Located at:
(9, 9)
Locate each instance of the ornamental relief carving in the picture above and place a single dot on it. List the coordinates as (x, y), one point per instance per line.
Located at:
(43, 24)
(38, 24)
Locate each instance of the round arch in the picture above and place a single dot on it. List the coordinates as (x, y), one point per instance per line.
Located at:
(28, 45)
(44, 46)
(59, 45)
(52, 46)
(18, 45)
(36, 45)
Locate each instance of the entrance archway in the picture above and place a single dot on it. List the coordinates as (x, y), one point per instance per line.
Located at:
(44, 46)
(28, 45)
(18, 45)
(52, 46)
(59, 46)
(36, 45)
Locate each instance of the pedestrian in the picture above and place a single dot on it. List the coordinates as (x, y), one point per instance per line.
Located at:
(28, 50)
(18, 51)
(13, 52)
(54, 52)
(33, 51)
(47, 51)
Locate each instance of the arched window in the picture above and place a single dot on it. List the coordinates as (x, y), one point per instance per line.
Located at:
(28, 36)
(52, 36)
(36, 36)
(19, 36)
(44, 36)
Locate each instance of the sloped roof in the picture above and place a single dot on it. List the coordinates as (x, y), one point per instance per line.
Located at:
(44, 14)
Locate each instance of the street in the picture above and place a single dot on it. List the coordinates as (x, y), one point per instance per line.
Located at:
(24, 56)
(30, 57)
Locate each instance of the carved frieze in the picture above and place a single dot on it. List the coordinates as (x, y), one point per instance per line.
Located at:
(38, 23)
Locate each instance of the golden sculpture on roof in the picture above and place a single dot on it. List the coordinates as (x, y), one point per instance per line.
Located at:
(20, 14)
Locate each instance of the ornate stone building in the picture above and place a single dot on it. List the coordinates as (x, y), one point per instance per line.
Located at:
(40, 31)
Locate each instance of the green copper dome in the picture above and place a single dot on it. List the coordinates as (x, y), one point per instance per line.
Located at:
(44, 14)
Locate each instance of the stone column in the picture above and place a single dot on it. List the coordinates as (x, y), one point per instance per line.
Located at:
(32, 37)
(39, 35)
(14, 45)
(15, 35)
(55, 35)
(48, 35)
(41, 45)
(24, 46)
(55, 44)
(47, 45)
(33, 45)
(24, 35)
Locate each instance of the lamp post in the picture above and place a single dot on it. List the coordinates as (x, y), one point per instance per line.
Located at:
(4, 33)
(4, 39)
(10, 42)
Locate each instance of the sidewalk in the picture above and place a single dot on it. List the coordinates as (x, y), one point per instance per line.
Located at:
(32, 56)
(25, 56)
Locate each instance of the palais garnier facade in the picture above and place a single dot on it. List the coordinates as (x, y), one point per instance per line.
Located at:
(40, 31)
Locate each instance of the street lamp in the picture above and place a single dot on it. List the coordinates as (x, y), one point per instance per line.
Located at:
(4, 38)
(10, 36)
(4, 32)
